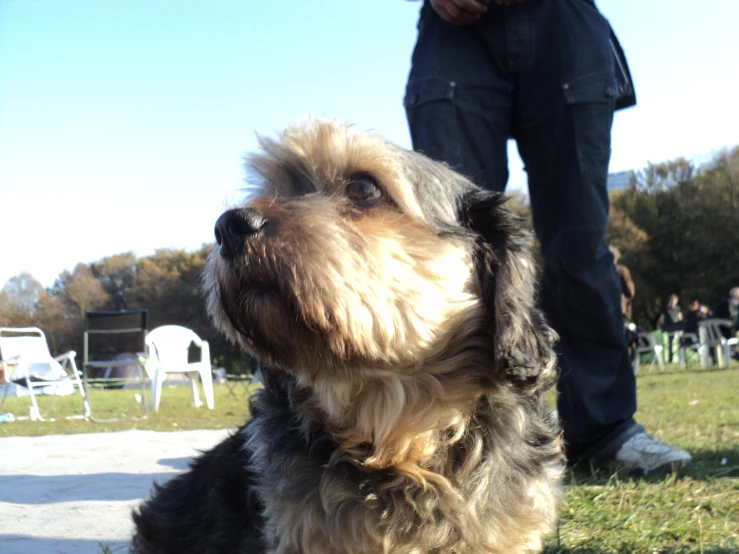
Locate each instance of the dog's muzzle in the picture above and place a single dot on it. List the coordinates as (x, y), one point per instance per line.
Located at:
(235, 227)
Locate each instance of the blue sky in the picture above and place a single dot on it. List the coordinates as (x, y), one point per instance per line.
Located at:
(123, 123)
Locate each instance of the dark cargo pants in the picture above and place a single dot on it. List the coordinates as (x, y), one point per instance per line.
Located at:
(542, 73)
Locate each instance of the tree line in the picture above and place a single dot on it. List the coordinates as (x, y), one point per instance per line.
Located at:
(676, 225)
(168, 283)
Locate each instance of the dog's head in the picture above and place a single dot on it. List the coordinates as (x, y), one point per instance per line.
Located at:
(354, 252)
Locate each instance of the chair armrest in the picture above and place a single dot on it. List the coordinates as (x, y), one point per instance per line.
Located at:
(68, 359)
(66, 356)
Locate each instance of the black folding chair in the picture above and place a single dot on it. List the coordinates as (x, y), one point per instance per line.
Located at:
(107, 332)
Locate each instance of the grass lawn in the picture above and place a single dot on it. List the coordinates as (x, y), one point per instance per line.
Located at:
(697, 511)
(176, 412)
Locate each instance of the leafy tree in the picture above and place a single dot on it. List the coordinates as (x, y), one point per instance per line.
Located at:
(25, 303)
(81, 291)
(117, 275)
(688, 232)
(21, 295)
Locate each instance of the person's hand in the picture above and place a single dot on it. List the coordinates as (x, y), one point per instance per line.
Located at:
(460, 12)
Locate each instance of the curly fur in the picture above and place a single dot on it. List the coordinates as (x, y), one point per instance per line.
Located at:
(402, 407)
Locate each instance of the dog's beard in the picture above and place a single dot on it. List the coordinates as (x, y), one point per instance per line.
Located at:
(325, 289)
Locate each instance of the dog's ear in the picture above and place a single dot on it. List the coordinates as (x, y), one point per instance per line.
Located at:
(522, 339)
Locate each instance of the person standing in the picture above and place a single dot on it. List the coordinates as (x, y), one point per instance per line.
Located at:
(628, 290)
(671, 321)
(549, 74)
(693, 317)
(671, 317)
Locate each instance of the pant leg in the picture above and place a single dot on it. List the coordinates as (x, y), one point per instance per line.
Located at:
(564, 103)
(458, 100)
(529, 70)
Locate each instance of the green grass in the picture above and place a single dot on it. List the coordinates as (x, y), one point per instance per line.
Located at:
(176, 412)
(694, 512)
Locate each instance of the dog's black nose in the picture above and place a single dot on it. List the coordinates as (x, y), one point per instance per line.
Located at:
(235, 227)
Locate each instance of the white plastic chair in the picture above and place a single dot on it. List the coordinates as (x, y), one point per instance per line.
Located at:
(711, 337)
(689, 342)
(647, 344)
(27, 362)
(167, 350)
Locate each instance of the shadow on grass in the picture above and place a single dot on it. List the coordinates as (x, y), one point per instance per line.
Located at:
(710, 464)
(707, 465)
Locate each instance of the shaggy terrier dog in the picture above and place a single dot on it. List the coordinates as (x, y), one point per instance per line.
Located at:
(391, 304)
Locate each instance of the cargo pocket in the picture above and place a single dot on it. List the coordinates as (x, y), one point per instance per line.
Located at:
(433, 119)
(591, 102)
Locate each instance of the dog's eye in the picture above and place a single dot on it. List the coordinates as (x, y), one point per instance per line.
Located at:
(363, 190)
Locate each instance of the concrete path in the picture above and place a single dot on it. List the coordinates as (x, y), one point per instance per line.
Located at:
(73, 494)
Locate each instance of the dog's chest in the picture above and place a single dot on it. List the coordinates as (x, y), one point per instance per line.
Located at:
(314, 506)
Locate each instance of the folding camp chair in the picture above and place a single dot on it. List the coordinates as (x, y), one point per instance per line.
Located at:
(167, 351)
(110, 325)
(28, 363)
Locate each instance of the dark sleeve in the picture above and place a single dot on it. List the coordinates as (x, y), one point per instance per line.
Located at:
(721, 311)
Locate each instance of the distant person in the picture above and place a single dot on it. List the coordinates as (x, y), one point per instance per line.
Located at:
(671, 321)
(671, 318)
(728, 308)
(628, 291)
(695, 315)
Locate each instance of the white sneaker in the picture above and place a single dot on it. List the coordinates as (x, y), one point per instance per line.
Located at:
(643, 454)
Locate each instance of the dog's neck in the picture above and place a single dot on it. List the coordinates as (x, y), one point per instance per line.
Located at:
(403, 419)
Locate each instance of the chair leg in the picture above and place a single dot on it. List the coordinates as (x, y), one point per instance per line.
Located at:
(703, 355)
(83, 394)
(51, 400)
(33, 399)
(207, 378)
(144, 402)
(156, 389)
(658, 353)
(727, 355)
(193, 375)
(6, 387)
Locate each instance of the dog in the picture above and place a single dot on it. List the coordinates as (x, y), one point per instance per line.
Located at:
(391, 303)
